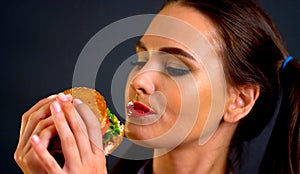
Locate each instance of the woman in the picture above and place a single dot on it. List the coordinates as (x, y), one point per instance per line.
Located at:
(175, 83)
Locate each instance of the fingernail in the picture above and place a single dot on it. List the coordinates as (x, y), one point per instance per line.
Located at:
(77, 101)
(62, 97)
(35, 139)
(69, 97)
(52, 96)
(56, 106)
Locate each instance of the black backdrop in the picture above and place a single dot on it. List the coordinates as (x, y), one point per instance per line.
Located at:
(41, 42)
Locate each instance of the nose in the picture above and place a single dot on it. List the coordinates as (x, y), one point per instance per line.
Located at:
(143, 83)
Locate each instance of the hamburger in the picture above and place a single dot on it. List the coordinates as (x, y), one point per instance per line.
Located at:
(111, 128)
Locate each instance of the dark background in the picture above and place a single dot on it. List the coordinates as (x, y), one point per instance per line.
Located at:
(41, 42)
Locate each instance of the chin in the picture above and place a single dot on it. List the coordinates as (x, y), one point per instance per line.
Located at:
(140, 135)
(137, 132)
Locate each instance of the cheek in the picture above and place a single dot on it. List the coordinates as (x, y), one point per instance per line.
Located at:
(204, 110)
(211, 107)
(174, 101)
(163, 129)
(196, 106)
(172, 95)
(188, 106)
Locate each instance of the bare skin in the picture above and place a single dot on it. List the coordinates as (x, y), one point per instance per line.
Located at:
(40, 124)
(188, 156)
(56, 115)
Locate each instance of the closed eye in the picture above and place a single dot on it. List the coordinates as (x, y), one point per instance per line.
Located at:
(138, 64)
(177, 71)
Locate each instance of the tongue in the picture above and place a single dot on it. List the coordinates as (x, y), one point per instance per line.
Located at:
(140, 108)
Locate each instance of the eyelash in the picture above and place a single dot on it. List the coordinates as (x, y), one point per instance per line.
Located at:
(138, 64)
(175, 72)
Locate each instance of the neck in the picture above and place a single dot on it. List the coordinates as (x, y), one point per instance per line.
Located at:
(194, 158)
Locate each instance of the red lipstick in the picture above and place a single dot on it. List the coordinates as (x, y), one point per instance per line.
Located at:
(141, 114)
(140, 108)
(137, 109)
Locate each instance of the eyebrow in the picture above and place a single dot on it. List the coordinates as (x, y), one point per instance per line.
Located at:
(140, 45)
(169, 50)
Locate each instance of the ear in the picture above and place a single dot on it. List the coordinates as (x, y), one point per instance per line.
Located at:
(240, 102)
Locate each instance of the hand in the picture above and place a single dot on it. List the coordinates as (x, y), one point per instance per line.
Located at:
(81, 139)
(36, 121)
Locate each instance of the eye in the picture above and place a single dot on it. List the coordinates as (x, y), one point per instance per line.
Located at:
(177, 71)
(138, 64)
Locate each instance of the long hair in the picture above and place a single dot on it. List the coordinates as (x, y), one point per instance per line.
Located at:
(252, 53)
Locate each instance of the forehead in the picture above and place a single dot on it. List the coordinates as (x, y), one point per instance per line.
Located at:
(153, 42)
(192, 17)
(182, 27)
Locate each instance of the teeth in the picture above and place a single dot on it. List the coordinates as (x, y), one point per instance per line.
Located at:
(130, 103)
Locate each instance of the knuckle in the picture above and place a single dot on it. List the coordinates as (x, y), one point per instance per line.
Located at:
(33, 117)
(69, 141)
(47, 133)
(17, 157)
(88, 160)
(33, 109)
(40, 114)
(41, 124)
(68, 106)
(44, 123)
(50, 165)
(41, 102)
(25, 160)
(25, 117)
(78, 128)
(93, 166)
(36, 116)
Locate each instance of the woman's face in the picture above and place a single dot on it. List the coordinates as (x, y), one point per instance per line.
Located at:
(169, 92)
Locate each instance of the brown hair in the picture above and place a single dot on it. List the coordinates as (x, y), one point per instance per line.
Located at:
(253, 52)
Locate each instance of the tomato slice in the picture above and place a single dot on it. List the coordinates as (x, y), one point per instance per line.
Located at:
(105, 127)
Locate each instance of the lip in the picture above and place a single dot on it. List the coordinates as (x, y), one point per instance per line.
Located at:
(140, 114)
(138, 109)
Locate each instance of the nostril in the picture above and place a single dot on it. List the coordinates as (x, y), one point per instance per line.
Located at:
(143, 83)
(142, 90)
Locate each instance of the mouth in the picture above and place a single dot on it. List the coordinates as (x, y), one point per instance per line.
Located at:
(140, 114)
(138, 109)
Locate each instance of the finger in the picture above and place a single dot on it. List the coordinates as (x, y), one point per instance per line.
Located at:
(47, 134)
(34, 108)
(22, 153)
(45, 157)
(32, 122)
(46, 137)
(92, 124)
(68, 142)
(40, 127)
(78, 128)
(19, 154)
